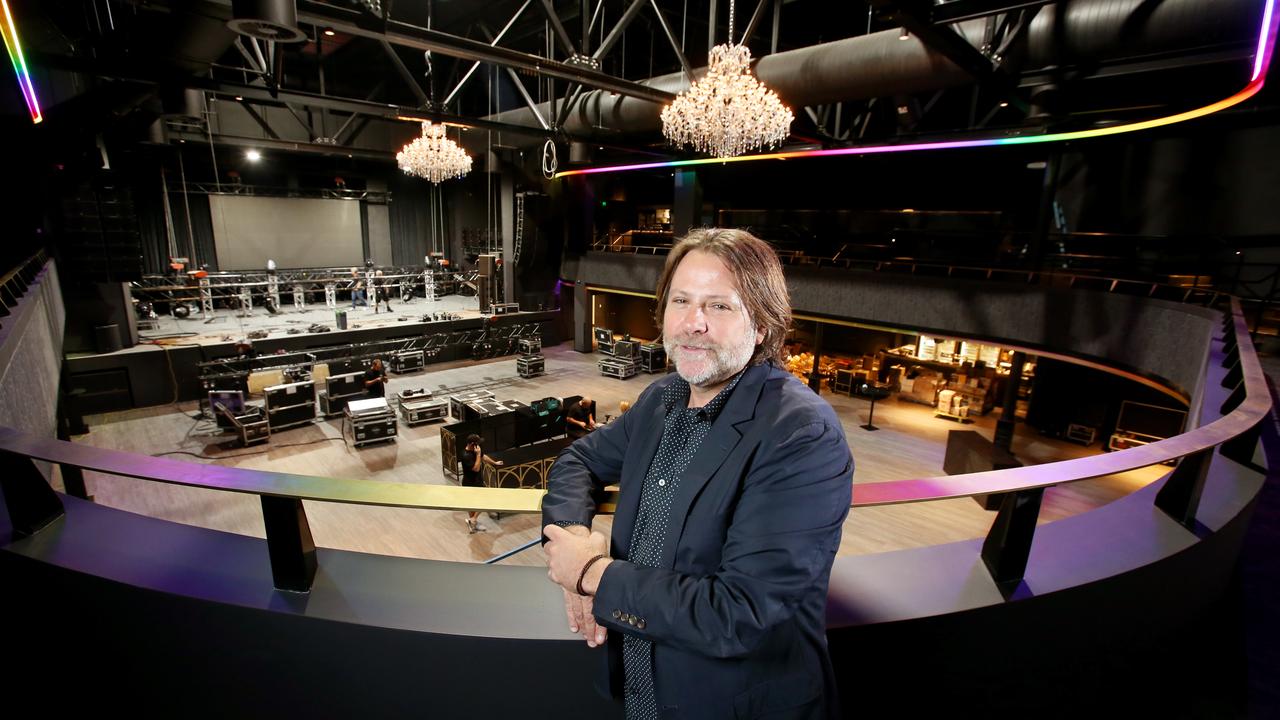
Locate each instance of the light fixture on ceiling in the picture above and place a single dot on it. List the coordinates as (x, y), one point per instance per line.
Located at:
(728, 112)
(329, 32)
(433, 156)
(904, 35)
(253, 155)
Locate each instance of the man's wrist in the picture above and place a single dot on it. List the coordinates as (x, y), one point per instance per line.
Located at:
(591, 580)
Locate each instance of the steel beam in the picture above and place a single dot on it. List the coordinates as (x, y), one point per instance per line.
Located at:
(266, 127)
(756, 17)
(471, 71)
(557, 28)
(405, 75)
(671, 38)
(515, 80)
(946, 41)
(615, 35)
(398, 33)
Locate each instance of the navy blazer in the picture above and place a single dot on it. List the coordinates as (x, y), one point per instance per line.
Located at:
(736, 609)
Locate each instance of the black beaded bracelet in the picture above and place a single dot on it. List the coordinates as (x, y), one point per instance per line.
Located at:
(583, 575)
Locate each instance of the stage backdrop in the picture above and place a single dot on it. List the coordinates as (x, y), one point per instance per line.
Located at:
(295, 232)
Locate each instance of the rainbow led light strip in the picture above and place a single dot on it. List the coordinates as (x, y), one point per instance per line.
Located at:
(1262, 61)
(10, 32)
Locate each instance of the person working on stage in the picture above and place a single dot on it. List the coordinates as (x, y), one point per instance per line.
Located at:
(381, 292)
(579, 420)
(357, 290)
(734, 480)
(375, 380)
(472, 457)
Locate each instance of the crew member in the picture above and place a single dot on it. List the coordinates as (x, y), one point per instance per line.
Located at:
(382, 291)
(579, 420)
(375, 379)
(711, 597)
(472, 457)
(357, 290)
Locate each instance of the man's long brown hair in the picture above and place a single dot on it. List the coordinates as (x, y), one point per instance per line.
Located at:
(755, 270)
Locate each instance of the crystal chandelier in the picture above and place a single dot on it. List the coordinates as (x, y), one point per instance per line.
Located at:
(728, 112)
(433, 156)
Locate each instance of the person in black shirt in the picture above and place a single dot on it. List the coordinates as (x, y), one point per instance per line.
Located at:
(382, 291)
(471, 459)
(375, 380)
(579, 420)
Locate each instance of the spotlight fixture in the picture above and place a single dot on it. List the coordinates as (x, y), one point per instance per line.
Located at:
(904, 35)
(329, 31)
(253, 155)
(1004, 104)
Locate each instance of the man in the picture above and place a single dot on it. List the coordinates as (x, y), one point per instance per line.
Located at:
(381, 292)
(375, 380)
(472, 457)
(579, 420)
(734, 482)
(357, 290)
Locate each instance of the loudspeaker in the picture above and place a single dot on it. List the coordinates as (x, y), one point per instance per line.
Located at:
(106, 338)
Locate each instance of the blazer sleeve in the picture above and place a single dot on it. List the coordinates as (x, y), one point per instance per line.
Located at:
(779, 547)
(589, 464)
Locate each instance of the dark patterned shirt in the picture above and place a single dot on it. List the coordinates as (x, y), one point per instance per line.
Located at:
(682, 434)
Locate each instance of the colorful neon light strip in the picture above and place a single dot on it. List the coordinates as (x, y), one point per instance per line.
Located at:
(10, 32)
(1262, 62)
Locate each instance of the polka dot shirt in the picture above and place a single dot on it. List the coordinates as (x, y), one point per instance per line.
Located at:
(682, 434)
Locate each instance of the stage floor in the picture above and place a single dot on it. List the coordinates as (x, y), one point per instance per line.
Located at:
(910, 443)
(231, 326)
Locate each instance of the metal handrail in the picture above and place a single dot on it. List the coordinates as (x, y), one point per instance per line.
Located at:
(282, 493)
(1249, 413)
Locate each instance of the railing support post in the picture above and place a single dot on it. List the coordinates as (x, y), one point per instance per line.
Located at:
(31, 503)
(293, 552)
(1241, 447)
(1180, 496)
(1008, 545)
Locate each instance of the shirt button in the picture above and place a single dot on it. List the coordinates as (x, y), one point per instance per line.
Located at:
(662, 483)
(631, 620)
(640, 624)
(617, 614)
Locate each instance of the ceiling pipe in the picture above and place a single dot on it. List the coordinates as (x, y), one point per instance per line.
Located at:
(881, 64)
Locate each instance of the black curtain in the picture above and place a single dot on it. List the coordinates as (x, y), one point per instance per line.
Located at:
(410, 219)
(200, 229)
(148, 203)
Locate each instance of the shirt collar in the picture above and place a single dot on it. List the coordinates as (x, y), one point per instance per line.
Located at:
(677, 395)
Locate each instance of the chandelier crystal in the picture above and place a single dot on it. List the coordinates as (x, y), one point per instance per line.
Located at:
(728, 112)
(433, 156)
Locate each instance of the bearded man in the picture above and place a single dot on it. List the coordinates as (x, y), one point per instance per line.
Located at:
(734, 482)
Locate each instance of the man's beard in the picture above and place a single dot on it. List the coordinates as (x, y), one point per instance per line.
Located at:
(719, 363)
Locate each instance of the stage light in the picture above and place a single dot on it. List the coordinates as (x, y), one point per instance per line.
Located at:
(253, 155)
(329, 31)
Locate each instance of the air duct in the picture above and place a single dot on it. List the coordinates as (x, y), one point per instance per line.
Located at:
(881, 64)
(275, 20)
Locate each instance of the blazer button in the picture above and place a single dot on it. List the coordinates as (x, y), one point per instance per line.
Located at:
(617, 614)
(631, 620)
(640, 624)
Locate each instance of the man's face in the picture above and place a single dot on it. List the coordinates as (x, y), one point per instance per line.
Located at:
(705, 327)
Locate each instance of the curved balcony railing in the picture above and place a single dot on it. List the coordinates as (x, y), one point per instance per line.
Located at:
(1231, 426)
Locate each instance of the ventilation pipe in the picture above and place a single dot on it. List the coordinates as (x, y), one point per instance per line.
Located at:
(266, 20)
(881, 64)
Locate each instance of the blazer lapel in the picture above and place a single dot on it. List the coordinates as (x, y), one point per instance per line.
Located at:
(640, 452)
(722, 439)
